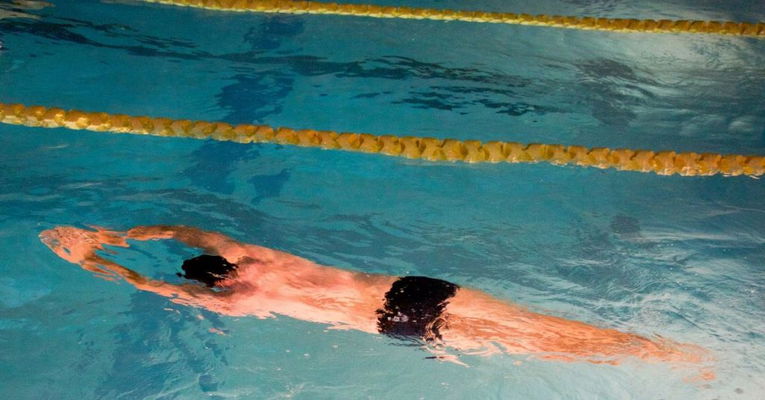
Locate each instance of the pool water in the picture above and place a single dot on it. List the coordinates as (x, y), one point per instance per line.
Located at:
(679, 257)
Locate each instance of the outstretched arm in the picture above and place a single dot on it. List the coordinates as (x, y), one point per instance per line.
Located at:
(211, 242)
(80, 246)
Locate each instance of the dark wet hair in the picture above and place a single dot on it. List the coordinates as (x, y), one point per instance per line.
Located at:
(207, 269)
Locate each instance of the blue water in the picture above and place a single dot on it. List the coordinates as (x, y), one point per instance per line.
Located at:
(678, 257)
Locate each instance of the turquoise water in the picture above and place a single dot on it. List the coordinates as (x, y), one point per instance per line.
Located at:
(683, 258)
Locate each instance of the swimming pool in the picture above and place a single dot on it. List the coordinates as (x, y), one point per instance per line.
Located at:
(680, 257)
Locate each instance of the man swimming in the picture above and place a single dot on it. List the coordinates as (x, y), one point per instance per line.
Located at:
(239, 279)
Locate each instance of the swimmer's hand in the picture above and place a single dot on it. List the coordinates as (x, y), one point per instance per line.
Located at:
(78, 245)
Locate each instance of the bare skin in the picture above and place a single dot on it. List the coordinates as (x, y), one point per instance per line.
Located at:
(270, 282)
(10, 10)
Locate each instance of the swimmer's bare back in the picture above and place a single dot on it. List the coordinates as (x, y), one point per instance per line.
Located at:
(269, 282)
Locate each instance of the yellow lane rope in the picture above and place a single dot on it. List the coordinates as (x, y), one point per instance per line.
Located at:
(431, 149)
(374, 11)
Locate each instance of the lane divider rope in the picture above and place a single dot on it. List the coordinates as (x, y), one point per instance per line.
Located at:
(374, 11)
(425, 148)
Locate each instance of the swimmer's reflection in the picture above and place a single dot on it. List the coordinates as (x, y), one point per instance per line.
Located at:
(239, 279)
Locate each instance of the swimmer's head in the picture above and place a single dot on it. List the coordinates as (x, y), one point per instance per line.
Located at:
(207, 269)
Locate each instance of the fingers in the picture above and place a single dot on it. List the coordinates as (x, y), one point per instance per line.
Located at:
(77, 245)
(70, 243)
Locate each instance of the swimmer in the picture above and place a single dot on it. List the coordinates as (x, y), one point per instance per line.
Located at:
(239, 279)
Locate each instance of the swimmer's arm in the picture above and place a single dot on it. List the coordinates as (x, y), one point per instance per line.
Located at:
(80, 246)
(186, 293)
(211, 242)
